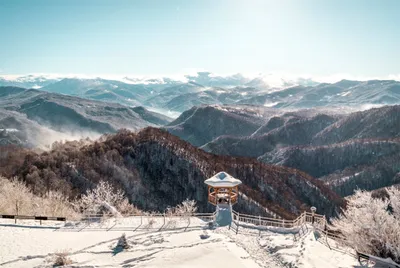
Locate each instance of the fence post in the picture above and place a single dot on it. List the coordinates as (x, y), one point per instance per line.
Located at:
(259, 220)
(313, 210)
(16, 208)
(326, 239)
(238, 222)
(233, 219)
(305, 220)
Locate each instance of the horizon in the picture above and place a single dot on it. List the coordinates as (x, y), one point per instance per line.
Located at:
(343, 39)
(269, 78)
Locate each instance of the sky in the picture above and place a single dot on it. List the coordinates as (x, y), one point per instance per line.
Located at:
(319, 37)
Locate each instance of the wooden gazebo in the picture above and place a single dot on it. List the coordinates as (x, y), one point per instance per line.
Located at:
(222, 189)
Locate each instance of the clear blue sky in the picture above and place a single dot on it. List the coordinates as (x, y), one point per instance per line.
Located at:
(321, 37)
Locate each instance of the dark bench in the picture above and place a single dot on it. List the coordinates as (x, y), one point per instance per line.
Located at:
(40, 218)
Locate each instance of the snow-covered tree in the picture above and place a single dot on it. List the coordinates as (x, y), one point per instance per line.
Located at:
(104, 199)
(17, 198)
(186, 208)
(372, 225)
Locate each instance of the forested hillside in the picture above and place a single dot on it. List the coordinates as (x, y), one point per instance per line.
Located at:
(345, 151)
(157, 169)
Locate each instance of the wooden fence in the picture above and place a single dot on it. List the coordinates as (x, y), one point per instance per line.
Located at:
(318, 221)
(305, 217)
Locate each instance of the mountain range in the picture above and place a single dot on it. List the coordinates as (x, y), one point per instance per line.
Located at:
(326, 130)
(204, 88)
(345, 150)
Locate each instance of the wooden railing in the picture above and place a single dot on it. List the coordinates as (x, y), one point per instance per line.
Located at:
(212, 198)
(318, 221)
(209, 216)
(305, 217)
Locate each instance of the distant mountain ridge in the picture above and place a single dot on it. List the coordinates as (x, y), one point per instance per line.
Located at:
(32, 113)
(342, 93)
(204, 88)
(101, 89)
(27, 81)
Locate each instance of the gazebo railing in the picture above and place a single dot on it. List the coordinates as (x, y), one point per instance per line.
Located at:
(213, 198)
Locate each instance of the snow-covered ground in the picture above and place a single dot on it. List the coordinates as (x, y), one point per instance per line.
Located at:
(284, 249)
(193, 246)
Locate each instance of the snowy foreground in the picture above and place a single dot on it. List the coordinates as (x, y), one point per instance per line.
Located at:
(29, 245)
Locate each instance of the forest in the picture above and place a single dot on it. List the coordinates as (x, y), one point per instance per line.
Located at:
(156, 169)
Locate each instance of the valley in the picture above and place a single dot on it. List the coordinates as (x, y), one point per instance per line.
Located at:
(321, 129)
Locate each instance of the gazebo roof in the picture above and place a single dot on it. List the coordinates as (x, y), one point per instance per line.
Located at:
(222, 179)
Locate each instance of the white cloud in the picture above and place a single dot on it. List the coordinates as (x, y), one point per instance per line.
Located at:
(364, 107)
(394, 77)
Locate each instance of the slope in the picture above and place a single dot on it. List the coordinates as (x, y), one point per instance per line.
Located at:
(201, 125)
(322, 142)
(157, 169)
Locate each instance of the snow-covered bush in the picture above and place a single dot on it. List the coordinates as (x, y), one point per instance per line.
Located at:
(105, 200)
(126, 208)
(169, 211)
(186, 208)
(372, 225)
(17, 198)
(61, 259)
